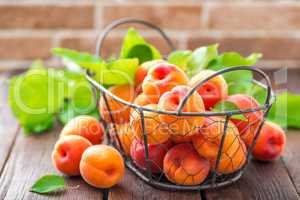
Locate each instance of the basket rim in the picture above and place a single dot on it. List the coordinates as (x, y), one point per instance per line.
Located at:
(268, 101)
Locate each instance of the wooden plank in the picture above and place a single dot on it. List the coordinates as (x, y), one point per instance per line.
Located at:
(260, 181)
(291, 157)
(8, 124)
(131, 187)
(30, 159)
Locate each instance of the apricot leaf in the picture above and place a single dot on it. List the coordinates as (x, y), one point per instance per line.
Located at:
(201, 57)
(238, 81)
(135, 46)
(285, 110)
(224, 106)
(47, 184)
(180, 58)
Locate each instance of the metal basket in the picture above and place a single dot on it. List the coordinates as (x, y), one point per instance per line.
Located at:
(214, 179)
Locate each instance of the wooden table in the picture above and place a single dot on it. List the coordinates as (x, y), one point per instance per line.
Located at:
(24, 159)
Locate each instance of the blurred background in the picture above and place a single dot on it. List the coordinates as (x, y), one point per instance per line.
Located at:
(29, 29)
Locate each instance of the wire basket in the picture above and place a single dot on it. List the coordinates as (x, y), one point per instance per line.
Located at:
(228, 161)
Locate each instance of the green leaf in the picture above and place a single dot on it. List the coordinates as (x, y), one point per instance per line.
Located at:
(228, 106)
(285, 110)
(134, 46)
(238, 81)
(200, 58)
(48, 184)
(118, 72)
(75, 56)
(180, 58)
(35, 96)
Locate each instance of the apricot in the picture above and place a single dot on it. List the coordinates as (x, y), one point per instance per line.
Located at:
(156, 131)
(157, 153)
(213, 90)
(270, 142)
(181, 125)
(126, 137)
(143, 69)
(184, 166)
(162, 78)
(67, 154)
(247, 128)
(120, 112)
(181, 138)
(208, 141)
(85, 126)
(143, 100)
(102, 166)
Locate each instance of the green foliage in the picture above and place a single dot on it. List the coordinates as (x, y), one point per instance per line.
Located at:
(201, 57)
(180, 58)
(47, 184)
(285, 110)
(134, 46)
(37, 95)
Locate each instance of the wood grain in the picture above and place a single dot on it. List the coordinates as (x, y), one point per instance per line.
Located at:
(260, 181)
(30, 159)
(131, 187)
(291, 157)
(8, 124)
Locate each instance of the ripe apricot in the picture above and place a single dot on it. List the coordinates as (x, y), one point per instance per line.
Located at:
(156, 131)
(181, 125)
(184, 166)
(85, 126)
(143, 100)
(120, 112)
(181, 138)
(161, 78)
(102, 166)
(208, 141)
(157, 153)
(247, 128)
(213, 90)
(126, 137)
(270, 142)
(67, 154)
(143, 69)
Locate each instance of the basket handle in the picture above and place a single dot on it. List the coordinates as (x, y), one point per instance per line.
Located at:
(126, 20)
(229, 69)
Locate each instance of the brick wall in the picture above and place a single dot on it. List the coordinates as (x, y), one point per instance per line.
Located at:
(28, 29)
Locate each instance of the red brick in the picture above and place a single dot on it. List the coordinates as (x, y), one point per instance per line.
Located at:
(111, 45)
(24, 48)
(176, 16)
(271, 47)
(254, 15)
(50, 16)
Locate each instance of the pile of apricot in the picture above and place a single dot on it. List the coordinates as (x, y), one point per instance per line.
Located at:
(79, 152)
(186, 148)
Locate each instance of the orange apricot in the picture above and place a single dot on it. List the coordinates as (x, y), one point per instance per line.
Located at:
(120, 112)
(156, 131)
(67, 154)
(208, 141)
(247, 128)
(213, 90)
(184, 166)
(270, 142)
(85, 126)
(161, 78)
(102, 166)
(181, 125)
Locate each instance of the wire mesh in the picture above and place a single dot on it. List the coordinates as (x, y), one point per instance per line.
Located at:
(144, 134)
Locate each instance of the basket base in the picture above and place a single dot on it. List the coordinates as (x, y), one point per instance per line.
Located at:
(166, 185)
